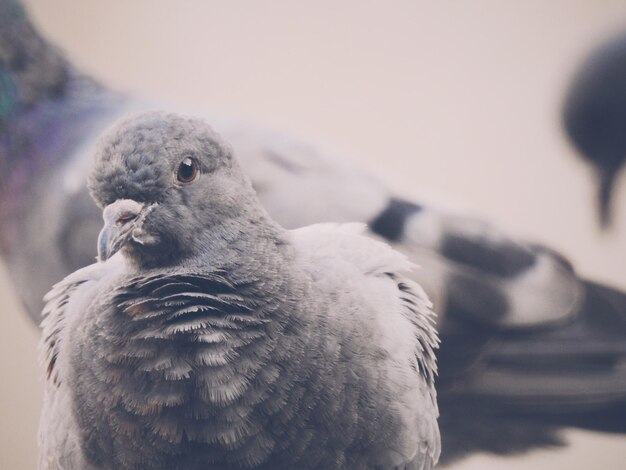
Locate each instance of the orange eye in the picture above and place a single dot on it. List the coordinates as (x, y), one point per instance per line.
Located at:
(187, 170)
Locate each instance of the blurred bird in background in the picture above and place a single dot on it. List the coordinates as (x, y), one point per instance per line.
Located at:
(594, 115)
(527, 345)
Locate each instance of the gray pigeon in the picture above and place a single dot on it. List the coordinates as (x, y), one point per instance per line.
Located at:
(210, 337)
(521, 330)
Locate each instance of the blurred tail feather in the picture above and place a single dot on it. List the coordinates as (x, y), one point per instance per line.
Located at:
(579, 365)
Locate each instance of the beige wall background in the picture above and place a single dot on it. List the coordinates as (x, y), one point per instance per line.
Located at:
(456, 103)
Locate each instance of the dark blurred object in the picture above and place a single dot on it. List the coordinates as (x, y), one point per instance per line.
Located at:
(594, 116)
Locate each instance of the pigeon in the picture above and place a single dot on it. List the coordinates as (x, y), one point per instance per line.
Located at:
(217, 339)
(498, 298)
(594, 113)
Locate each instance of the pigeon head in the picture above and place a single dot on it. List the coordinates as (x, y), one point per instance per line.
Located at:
(163, 180)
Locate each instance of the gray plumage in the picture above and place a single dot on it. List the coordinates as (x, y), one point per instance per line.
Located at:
(520, 328)
(210, 337)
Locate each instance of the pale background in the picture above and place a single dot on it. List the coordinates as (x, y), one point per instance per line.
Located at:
(452, 102)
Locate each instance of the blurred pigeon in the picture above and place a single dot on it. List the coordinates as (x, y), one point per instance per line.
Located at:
(594, 115)
(520, 330)
(223, 340)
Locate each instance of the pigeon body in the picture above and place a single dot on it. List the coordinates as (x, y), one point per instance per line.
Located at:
(220, 340)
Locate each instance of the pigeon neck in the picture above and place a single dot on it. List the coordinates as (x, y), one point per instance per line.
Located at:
(31, 72)
(36, 140)
(46, 110)
(31, 69)
(238, 235)
(45, 105)
(225, 242)
(215, 247)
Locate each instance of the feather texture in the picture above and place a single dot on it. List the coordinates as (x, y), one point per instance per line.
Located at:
(253, 347)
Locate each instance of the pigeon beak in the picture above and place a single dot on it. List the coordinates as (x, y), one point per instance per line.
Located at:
(121, 219)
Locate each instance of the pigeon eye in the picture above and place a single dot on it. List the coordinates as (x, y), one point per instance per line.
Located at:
(187, 170)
